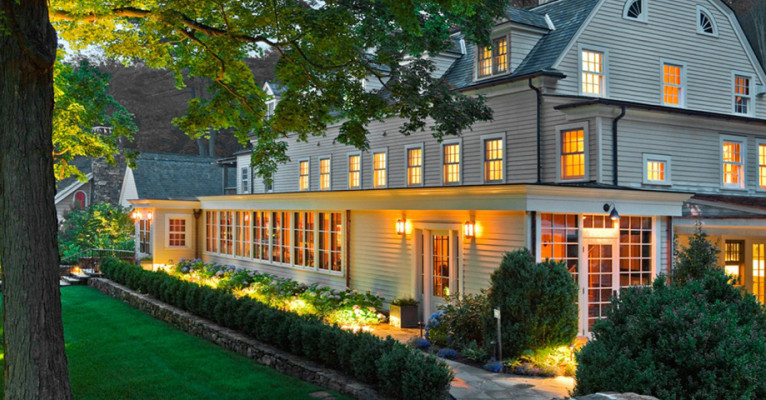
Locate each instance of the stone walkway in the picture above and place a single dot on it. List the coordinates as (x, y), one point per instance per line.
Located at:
(475, 383)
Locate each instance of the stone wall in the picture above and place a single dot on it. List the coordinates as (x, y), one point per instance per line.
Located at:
(231, 340)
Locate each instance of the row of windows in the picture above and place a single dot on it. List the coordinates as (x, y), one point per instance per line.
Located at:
(734, 161)
(451, 158)
(304, 239)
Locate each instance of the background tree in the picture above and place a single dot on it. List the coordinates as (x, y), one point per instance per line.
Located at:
(100, 226)
(696, 259)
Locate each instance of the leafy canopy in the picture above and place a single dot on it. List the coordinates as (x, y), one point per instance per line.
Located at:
(100, 226)
(327, 49)
(694, 261)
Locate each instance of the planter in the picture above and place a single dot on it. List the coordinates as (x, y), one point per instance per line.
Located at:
(404, 316)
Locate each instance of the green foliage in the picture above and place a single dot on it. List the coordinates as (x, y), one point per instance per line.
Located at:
(699, 340)
(463, 319)
(694, 261)
(362, 355)
(550, 361)
(404, 301)
(100, 226)
(537, 303)
(325, 58)
(474, 352)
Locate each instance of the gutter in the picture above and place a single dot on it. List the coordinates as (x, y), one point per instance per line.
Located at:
(539, 131)
(614, 145)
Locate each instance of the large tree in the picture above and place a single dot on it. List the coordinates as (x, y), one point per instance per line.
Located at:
(327, 49)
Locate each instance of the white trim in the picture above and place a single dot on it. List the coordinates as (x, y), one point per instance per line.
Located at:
(407, 149)
(492, 74)
(666, 159)
(758, 144)
(245, 178)
(585, 125)
(348, 169)
(376, 151)
(683, 96)
(751, 96)
(743, 160)
(85, 201)
(702, 10)
(643, 17)
(308, 175)
(329, 172)
(604, 69)
(549, 21)
(459, 142)
(187, 230)
(71, 188)
(483, 139)
(577, 34)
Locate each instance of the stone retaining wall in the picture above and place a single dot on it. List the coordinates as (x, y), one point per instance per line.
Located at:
(237, 342)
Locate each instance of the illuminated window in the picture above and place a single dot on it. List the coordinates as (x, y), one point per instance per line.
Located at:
(330, 241)
(656, 169)
(635, 251)
(573, 154)
(673, 84)
(734, 260)
(242, 233)
(304, 239)
(493, 60)
(560, 240)
(226, 232)
(762, 165)
(303, 179)
(145, 236)
(493, 160)
(211, 228)
(705, 23)
(593, 72)
(280, 237)
(414, 166)
(354, 171)
(261, 235)
(324, 174)
(451, 163)
(379, 165)
(742, 94)
(733, 170)
(635, 9)
(759, 272)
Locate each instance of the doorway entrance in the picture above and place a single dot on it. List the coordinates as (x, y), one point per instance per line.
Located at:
(437, 269)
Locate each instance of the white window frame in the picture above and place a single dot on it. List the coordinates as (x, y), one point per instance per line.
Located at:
(665, 159)
(348, 170)
(683, 96)
(461, 166)
(484, 139)
(376, 151)
(751, 96)
(329, 172)
(244, 180)
(702, 10)
(758, 144)
(187, 230)
(743, 161)
(477, 49)
(604, 69)
(407, 149)
(643, 17)
(586, 147)
(308, 175)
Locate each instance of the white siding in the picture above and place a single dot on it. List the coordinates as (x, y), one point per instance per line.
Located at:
(522, 43)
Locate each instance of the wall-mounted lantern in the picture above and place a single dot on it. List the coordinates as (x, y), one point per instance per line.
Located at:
(613, 215)
(401, 227)
(469, 229)
(149, 215)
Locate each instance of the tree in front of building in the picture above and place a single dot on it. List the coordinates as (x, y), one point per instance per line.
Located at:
(695, 260)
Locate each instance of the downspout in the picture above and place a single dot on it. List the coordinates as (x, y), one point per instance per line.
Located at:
(197, 236)
(614, 146)
(670, 243)
(539, 132)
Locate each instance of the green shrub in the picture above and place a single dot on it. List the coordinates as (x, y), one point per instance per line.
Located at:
(701, 340)
(464, 318)
(100, 226)
(537, 303)
(694, 261)
(355, 354)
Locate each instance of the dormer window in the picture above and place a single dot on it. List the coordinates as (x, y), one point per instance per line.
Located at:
(635, 10)
(493, 60)
(705, 23)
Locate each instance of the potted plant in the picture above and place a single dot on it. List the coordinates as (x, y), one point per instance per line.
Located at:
(404, 313)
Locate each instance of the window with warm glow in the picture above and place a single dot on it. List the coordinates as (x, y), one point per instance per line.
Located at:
(592, 72)
(451, 159)
(145, 236)
(379, 179)
(303, 179)
(742, 97)
(280, 237)
(493, 160)
(330, 241)
(242, 233)
(226, 232)
(324, 174)
(573, 154)
(261, 235)
(493, 60)
(560, 240)
(759, 272)
(762, 165)
(656, 169)
(734, 260)
(354, 171)
(485, 62)
(211, 228)
(673, 91)
(635, 251)
(733, 168)
(414, 167)
(304, 239)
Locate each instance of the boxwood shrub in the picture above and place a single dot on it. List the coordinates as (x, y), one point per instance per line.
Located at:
(394, 369)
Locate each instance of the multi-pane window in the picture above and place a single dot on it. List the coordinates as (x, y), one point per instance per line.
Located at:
(762, 165)
(211, 229)
(245, 178)
(303, 179)
(354, 171)
(414, 166)
(261, 235)
(280, 237)
(732, 163)
(742, 96)
(379, 165)
(176, 232)
(705, 22)
(441, 265)
(573, 154)
(560, 240)
(493, 60)
(145, 236)
(330, 241)
(226, 232)
(635, 251)
(304, 239)
(635, 10)
(324, 174)
(734, 260)
(759, 272)
(242, 233)
(656, 169)
(493, 160)
(592, 72)
(451, 161)
(672, 78)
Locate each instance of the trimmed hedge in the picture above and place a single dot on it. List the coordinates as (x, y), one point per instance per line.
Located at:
(393, 368)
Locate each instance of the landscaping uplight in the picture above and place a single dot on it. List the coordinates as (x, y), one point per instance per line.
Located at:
(401, 227)
(469, 229)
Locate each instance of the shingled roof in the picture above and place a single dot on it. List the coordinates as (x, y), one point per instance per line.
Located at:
(175, 176)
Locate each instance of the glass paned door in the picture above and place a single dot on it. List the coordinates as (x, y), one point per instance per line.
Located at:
(439, 268)
(601, 280)
(441, 264)
(759, 267)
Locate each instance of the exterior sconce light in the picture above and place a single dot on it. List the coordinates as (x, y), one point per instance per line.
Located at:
(469, 229)
(613, 215)
(401, 227)
(149, 215)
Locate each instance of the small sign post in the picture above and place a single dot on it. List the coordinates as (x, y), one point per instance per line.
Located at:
(499, 336)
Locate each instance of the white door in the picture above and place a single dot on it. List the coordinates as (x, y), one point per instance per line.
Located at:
(602, 280)
(439, 268)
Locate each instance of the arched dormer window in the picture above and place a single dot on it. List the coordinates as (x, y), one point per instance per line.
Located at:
(705, 22)
(635, 10)
(80, 199)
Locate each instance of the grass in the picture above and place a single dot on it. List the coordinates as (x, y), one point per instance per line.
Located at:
(117, 352)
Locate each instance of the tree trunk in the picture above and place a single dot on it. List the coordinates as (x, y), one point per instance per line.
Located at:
(35, 361)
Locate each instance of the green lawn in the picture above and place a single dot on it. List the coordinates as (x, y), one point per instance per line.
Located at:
(117, 352)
